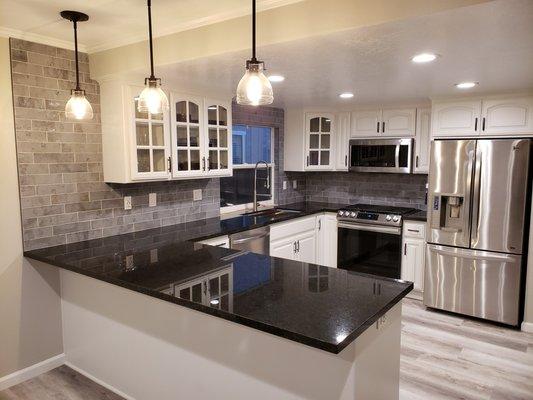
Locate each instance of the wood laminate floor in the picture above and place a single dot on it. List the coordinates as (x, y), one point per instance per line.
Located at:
(444, 357)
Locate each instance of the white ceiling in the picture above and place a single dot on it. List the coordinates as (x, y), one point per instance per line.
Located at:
(115, 23)
(491, 43)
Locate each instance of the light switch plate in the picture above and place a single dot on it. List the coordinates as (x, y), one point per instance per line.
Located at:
(197, 194)
(152, 199)
(153, 256)
(127, 202)
(284, 185)
(294, 185)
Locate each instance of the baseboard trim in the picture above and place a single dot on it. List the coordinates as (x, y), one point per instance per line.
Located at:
(99, 381)
(527, 327)
(31, 372)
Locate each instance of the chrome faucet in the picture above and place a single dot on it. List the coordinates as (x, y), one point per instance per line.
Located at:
(256, 205)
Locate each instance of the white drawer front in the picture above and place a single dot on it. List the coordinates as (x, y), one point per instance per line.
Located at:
(414, 229)
(292, 227)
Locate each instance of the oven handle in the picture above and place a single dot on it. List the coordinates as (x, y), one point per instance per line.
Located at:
(371, 228)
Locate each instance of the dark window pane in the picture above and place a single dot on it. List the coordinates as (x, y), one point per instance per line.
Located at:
(251, 144)
(193, 113)
(181, 111)
(239, 188)
(212, 115)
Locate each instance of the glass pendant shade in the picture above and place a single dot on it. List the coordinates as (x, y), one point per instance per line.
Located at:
(78, 107)
(254, 88)
(152, 99)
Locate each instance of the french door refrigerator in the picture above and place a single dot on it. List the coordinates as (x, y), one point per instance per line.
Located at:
(477, 214)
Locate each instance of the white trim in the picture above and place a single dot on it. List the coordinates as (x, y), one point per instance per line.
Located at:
(527, 327)
(34, 37)
(98, 381)
(31, 372)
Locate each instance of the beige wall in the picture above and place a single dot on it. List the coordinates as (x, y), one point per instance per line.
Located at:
(30, 312)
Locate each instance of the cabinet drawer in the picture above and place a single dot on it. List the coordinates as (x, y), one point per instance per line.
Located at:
(414, 229)
(291, 228)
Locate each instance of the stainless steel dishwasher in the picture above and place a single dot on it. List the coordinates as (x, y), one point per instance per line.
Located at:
(255, 240)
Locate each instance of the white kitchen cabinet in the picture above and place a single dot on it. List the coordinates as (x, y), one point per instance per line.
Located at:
(219, 241)
(456, 118)
(507, 116)
(414, 256)
(284, 248)
(327, 240)
(342, 133)
(398, 123)
(140, 147)
(319, 139)
(366, 124)
(306, 247)
(295, 239)
(422, 141)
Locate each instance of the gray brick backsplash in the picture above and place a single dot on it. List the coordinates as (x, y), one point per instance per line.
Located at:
(63, 196)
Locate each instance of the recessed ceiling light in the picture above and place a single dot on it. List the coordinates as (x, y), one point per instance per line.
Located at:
(424, 57)
(466, 85)
(276, 78)
(346, 95)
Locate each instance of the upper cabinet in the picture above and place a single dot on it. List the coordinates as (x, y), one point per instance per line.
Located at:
(191, 140)
(319, 138)
(342, 125)
(422, 141)
(390, 123)
(494, 117)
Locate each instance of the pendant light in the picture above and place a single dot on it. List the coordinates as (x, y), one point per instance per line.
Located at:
(254, 88)
(152, 99)
(78, 107)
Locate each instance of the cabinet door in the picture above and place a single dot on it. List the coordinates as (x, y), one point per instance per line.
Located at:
(150, 154)
(285, 248)
(398, 123)
(319, 141)
(461, 118)
(219, 159)
(413, 262)
(342, 133)
(327, 240)
(306, 247)
(507, 116)
(366, 123)
(422, 141)
(187, 126)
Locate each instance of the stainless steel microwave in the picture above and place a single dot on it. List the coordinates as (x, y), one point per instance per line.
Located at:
(381, 155)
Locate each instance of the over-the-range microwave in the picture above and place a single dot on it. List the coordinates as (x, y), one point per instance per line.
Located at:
(381, 155)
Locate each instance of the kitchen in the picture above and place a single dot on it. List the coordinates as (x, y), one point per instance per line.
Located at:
(163, 238)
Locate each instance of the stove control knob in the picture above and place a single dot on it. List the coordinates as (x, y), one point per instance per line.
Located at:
(388, 217)
(396, 218)
(353, 214)
(341, 213)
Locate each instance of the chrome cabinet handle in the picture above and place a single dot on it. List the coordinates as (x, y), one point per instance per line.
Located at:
(383, 127)
(169, 159)
(413, 230)
(405, 249)
(416, 162)
(377, 129)
(345, 161)
(203, 163)
(475, 125)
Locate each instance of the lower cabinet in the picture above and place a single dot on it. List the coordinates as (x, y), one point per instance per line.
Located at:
(327, 239)
(414, 256)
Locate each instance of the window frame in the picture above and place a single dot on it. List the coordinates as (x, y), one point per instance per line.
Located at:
(271, 164)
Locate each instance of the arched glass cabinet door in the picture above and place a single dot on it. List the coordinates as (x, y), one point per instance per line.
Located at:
(150, 158)
(187, 127)
(319, 139)
(219, 139)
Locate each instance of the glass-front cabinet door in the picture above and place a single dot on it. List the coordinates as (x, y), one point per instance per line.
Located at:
(218, 152)
(150, 158)
(187, 127)
(319, 138)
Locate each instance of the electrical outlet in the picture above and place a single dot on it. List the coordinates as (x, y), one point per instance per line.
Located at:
(294, 184)
(127, 202)
(284, 185)
(197, 194)
(153, 256)
(152, 200)
(129, 261)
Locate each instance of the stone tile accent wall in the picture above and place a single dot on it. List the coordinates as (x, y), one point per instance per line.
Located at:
(372, 188)
(273, 117)
(63, 196)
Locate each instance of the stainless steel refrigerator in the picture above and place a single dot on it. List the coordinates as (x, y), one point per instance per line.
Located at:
(477, 215)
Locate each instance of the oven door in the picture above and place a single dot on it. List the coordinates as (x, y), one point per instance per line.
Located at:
(369, 249)
(381, 155)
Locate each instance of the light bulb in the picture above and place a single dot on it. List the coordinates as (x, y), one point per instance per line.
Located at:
(254, 88)
(78, 107)
(152, 99)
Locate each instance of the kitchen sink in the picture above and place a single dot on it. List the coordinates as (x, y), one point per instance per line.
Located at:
(272, 212)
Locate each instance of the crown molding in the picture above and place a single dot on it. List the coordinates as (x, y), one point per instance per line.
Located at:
(34, 37)
(197, 23)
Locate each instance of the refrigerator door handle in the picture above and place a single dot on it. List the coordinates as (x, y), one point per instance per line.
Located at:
(476, 198)
(472, 254)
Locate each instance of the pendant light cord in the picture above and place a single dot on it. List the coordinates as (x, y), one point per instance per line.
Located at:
(253, 31)
(76, 54)
(149, 2)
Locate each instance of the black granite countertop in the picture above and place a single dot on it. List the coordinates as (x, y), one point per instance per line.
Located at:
(418, 216)
(322, 307)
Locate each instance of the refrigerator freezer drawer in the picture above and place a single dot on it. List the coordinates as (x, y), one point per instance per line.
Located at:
(472, 282)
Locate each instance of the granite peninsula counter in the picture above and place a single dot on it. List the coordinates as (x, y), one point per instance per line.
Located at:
(128, 311)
